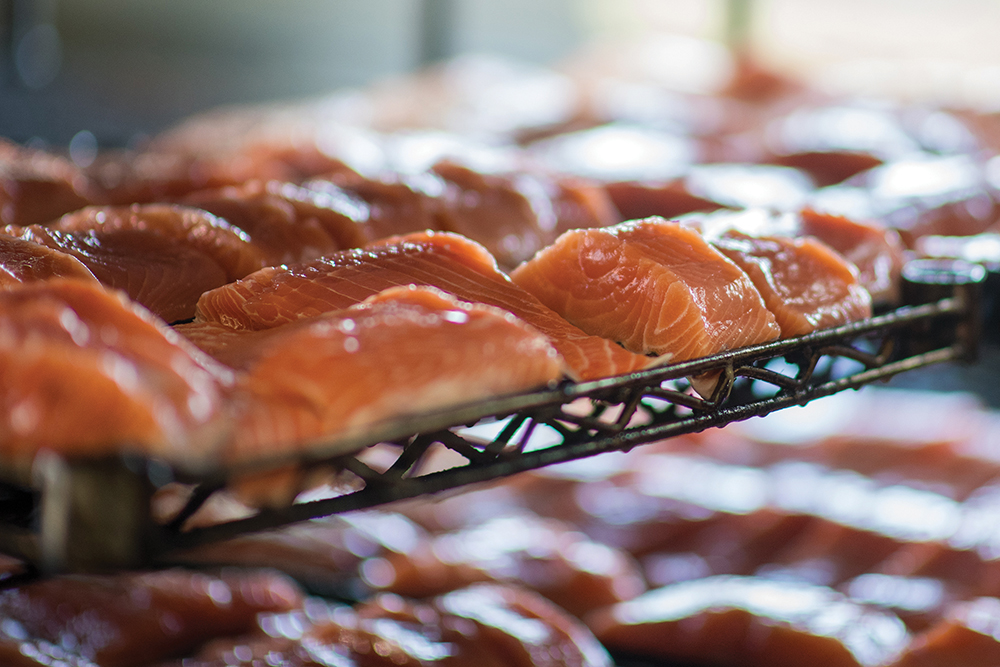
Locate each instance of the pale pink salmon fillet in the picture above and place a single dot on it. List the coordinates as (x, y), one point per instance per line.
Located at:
(406, 351)
(24, 261)
(163, 256)
(452, 263)
(804, 283)
(653, 286)
(87, 373)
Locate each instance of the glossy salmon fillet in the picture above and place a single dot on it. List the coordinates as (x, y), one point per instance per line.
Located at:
(729, 620)
(405, 351)
(397, 203)
(36, 186)
(967, 635)
(580, 203)
(133, 619)
(478, 626)
(163, 256)
(874, 249)
(285, 222)
(651, 285)
(452, 263)
(804, 283)
(510, 214)
(546, 556)
(87, 373)
(24, 261)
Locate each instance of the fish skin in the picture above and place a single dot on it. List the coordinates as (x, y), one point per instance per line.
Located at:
(651, 285)
(452, 263)
(806, 284)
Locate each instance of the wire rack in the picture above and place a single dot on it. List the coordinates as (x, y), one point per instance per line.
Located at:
(96, 515)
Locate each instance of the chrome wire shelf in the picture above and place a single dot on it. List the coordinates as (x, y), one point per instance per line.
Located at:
(86, 515)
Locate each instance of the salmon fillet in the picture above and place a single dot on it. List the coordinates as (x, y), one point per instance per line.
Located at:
(86, 373)
(163, 256)
(731, 620)
(547, 556)
(135, 618)
(285, 222)
(653, 286)
(641, 199)
(452, 263)
(36, 186)
(804, 283)
(510, 214)
(405, 351)
(478, 626)
(24, 261)
(397, 203)
(874, 249)
(581, 204)
(967, 636)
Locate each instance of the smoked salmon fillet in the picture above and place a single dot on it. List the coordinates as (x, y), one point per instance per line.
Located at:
(37, 186)
(85, 372)
(485, 625)
(544, 555)
(285, 222)
(452, 263)
(23, 262)
(876, 250)
(730, 620)
(651, 285)
(967, 635)
(499, 211)
(405, 351)
(804, 283)
(129, 619)
(163, 256)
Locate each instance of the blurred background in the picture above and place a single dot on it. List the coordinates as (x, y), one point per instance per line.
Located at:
(123, 70)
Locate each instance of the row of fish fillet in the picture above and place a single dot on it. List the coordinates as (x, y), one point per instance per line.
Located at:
(298, 354)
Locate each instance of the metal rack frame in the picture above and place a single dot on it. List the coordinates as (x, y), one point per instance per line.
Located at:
(96, 515)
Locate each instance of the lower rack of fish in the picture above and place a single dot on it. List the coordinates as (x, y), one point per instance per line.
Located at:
(98, 514)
